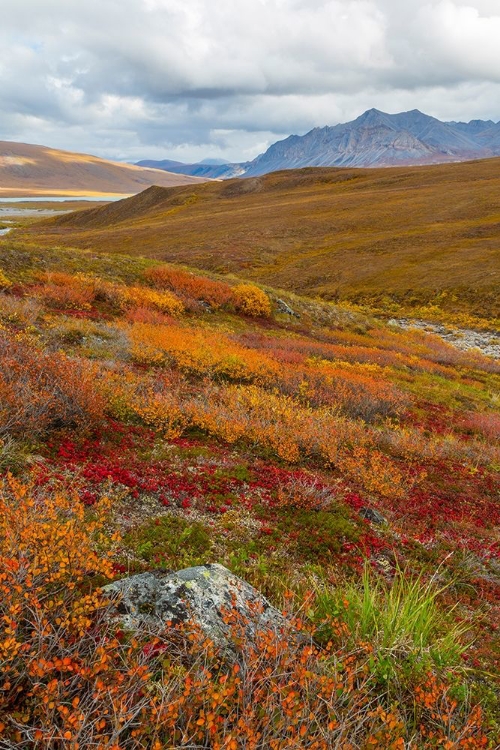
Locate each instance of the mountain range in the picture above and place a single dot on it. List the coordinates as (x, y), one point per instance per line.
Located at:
(27, 169)
(375, 139)
(206, 169)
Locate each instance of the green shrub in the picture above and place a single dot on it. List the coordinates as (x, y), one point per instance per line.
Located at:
(316, 534)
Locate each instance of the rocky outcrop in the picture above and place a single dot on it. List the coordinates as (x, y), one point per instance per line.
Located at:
(209, 597)
(466, 339)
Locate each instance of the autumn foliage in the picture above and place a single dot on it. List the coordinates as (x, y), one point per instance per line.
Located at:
(214, 293)
(173, 408)
(72, 678)
(247, 299)
(41, 391)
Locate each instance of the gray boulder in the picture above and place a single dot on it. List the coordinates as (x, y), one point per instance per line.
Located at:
(208, 596)
(284, 308)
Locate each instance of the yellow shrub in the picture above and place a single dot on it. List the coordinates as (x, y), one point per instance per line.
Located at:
(161, 410)
(4, 281)
(165, 302)
(125, 297)
(252, 301)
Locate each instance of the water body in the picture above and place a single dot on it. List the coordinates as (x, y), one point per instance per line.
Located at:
(29, 212)
(62, 198)
(9, 209)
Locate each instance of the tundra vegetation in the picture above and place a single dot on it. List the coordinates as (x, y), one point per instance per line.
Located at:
(421, 242)
(156, 417)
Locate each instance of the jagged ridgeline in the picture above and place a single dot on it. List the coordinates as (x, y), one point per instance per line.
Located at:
(374, 139)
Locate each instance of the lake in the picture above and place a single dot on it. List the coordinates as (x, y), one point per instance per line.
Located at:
(60, 199)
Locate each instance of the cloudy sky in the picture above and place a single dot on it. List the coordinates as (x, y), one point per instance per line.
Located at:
(189, 79)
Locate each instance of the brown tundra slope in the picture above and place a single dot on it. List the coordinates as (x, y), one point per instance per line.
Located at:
(28, 170)
(412, 234)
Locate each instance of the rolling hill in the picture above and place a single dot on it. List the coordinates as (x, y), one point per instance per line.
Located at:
(28, 170)
(409, 235)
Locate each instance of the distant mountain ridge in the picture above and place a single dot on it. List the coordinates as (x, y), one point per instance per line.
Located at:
(374, 139)
(200, 169)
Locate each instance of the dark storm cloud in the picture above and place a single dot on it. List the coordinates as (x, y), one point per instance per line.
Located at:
(187, 78)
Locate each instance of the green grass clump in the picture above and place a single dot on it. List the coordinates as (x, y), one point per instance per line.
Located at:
(408, 629)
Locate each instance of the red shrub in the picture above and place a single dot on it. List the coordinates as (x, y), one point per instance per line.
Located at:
(215, 293)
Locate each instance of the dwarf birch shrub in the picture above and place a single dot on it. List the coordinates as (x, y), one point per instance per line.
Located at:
(252, 301)
(40, 391)
(215, 293)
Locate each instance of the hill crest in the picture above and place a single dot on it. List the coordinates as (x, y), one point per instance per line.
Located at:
(28, 169)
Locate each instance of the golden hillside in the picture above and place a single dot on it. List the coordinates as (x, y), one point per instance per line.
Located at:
(27, 170)
(360, 234)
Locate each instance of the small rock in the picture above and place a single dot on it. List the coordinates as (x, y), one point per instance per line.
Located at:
(204, 595)
(372, 515)
(284, 308)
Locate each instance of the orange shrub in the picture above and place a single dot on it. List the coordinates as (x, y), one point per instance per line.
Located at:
(252, 301)
(41, 391)
(200, 352)
(64, 292)
(215, 293)
(55, 645)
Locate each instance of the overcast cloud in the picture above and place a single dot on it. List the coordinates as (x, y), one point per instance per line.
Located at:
(187, 79)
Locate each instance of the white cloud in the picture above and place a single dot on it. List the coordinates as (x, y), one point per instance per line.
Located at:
(170, 78)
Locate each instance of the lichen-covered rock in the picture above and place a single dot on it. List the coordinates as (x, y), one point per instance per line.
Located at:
(208, 596)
